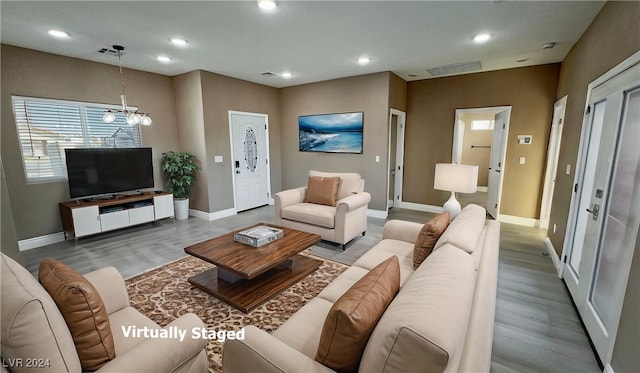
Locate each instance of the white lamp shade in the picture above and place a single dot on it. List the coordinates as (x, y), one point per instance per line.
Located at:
(456, 178)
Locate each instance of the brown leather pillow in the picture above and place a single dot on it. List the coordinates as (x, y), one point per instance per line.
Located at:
(83, 311)
(322, 190)
(428, 236)
(352, 318)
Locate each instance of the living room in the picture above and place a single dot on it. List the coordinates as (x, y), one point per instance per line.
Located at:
(190, 113)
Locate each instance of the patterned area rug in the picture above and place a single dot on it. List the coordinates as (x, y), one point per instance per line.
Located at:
(164, 294)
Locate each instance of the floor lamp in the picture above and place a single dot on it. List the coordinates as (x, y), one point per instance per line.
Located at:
(455, 178)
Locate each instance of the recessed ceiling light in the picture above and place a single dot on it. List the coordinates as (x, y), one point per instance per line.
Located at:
(286, 75)
(164, 59)
(59, 33)
(364, 60)
(522, 60)
(413, 75)
(179, 41)
(267, 4)
(548, 45)
(481, 38)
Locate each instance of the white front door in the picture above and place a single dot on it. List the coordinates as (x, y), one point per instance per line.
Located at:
(496, 162)
(250, 163)
(607, 215)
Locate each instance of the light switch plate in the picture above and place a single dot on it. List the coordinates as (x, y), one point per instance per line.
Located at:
(217, 159)
(568, 171)
(522, 160)
(377, 159)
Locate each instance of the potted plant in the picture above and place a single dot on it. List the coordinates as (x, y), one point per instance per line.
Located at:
(180, 168)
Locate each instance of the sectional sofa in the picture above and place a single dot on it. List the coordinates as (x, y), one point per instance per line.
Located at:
(441, 320)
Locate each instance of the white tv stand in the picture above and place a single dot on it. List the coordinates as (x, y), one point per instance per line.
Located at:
(86, 217)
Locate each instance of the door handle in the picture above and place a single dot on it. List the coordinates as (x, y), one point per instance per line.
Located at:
(595, 211)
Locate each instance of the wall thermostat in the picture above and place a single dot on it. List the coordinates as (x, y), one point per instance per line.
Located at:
(524, 139)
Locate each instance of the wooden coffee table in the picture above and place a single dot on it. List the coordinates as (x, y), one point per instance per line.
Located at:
(247, 276)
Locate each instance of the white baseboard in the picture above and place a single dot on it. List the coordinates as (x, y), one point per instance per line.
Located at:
(608, 369)
(483, 189)
(519, 220)
(552, 253)
(210, 216)
(380, 214)
(421, 207)
(32, 243)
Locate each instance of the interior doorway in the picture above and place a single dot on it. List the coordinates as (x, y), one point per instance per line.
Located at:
(480, 138)
(395, 157)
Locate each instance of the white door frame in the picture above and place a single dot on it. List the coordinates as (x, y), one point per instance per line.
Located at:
(399, 155)
(553, 152)
(577, 191)
(233, 175)
(456, 151)
(582, 157)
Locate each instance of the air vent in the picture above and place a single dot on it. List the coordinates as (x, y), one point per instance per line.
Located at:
(456, 68)
(268, 74)
(110, 51)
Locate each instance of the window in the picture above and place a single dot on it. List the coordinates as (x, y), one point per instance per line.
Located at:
(47, 127)
(482, 125)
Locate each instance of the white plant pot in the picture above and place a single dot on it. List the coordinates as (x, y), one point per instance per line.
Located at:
(181, 207)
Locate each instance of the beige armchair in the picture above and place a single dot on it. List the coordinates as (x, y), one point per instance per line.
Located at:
(33, 328)
(340, 223)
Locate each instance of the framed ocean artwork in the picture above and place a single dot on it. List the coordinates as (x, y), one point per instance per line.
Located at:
(331, 133)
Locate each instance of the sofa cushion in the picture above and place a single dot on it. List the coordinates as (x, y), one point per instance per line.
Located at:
(424, 328)
(310, 213)
(428, 236)
(322, 190)
(27, 307)
(352, 318)
(344, 282)
(83, 311)
(384, 250)
(350, 182)
(464, 231)
(303, 329)
(127, 317)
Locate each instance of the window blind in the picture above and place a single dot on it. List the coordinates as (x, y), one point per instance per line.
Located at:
(47, 127)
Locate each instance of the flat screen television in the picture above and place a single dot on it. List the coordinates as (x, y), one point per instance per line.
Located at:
(100, 171)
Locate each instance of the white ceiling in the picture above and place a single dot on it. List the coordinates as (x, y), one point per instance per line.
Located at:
(314, 40)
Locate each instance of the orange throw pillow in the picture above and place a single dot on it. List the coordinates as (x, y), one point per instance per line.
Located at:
(322, 190)
(352, 318)
(83, 311)
(428, 236)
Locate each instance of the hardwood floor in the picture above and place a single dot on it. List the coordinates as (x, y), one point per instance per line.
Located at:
(537, 329)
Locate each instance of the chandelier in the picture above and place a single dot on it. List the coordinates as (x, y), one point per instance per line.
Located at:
(132, 115)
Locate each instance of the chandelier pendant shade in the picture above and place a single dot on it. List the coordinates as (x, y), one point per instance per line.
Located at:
(132, 116)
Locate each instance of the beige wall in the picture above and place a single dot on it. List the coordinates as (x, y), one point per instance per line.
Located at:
(366, 93)
(605, 43)
(30, 73)
(397, 93)
(431, 106)
(610, 39)
(190, 119)
(477, 156)
(8, 236)
(221, 94)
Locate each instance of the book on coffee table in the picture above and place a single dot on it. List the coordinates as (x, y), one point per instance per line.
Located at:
(258, 236)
